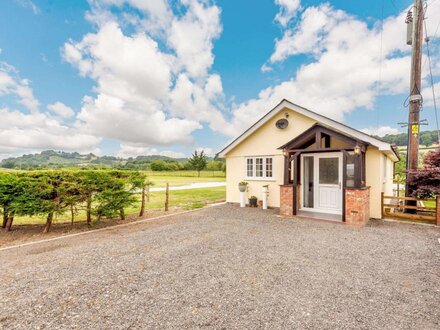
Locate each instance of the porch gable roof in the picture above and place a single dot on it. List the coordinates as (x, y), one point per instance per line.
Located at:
(310, 134)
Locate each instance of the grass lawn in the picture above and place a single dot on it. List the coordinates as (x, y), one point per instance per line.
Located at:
(181, 178)
(430, 204)
(185, 199)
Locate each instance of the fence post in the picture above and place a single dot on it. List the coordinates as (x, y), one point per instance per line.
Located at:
(437, 209)
(381, 204)
(167, 194)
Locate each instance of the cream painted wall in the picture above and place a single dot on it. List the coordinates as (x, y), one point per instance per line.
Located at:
(268, 138)
(263, 142)
(236, 172)
(377, 179)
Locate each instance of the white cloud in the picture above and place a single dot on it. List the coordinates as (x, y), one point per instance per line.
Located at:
(153, 85)
(12, 84)
(207, 150)
(288, 9)
(61, 110)
(346, 69)
(31, 130)
(111, 117)
(266, 68)
(428, 98)
(134, 150)
(192, 36)
(40, 131)
(380, 131)
(28, 4)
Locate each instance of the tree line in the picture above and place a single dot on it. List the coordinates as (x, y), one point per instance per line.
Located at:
(61, 160)
(46, 193)
(427, 138)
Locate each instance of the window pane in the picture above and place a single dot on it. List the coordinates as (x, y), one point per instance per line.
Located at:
(269, 167)
(259, 167)
(350, 170)
(250, 167)
(308, 182)
(328, 170)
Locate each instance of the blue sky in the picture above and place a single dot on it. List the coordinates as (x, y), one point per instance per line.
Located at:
(141, 76)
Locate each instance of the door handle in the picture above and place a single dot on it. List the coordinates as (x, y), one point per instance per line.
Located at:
(339, 184)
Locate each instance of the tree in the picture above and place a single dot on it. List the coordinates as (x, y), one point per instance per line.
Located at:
(52, 192)
(198, 161)
(139, 181)
(400, 166)
(115, 195)
(212, 166)
(425, 182)
(90, 183)
(9, 191)
(400, 180)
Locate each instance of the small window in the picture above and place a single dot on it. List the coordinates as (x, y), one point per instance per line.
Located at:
(329, 171)
(250, 167)
(350, 169)
(268, 167)
(385, 169)
(259, 167)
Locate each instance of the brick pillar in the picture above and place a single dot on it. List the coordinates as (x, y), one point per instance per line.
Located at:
(357, 206)
(438, 210)
(286, 200)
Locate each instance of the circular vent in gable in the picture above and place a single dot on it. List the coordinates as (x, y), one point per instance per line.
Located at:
(282, 123)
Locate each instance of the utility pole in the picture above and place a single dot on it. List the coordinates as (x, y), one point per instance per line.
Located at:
(415, 98)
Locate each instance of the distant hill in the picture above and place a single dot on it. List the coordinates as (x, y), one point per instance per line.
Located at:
(61, 159)
(427, 138)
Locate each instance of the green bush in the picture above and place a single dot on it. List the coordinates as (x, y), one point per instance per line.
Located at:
(101, 193)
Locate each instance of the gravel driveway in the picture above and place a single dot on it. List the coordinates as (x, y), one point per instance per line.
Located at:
(231, 268)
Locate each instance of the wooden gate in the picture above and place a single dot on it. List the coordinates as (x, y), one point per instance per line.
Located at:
(393, 207)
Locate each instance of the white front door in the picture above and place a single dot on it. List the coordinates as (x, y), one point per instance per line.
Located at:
(329, 179)
(322, 182)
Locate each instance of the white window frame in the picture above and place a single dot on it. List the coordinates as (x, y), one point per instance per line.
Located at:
(254, 168)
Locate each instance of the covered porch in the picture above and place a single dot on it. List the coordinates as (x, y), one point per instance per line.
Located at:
(325, 176)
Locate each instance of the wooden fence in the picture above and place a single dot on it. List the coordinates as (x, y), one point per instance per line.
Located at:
(395, 207)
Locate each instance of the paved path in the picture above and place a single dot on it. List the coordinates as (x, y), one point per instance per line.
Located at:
(227, 268)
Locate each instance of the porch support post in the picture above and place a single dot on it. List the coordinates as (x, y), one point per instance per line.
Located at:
(344, 181)
(358, 171)
(296, 181)
(296, 169)
(364, 169)
(286, 169)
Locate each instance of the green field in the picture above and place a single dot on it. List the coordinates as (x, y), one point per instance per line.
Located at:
(185, 199)
(181, 178)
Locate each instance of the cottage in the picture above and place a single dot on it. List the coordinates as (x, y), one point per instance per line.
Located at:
(314, 166)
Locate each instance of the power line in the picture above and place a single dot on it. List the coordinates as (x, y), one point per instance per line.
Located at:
(432, 80)
(379, 85)
(435, 33)
(394, 5)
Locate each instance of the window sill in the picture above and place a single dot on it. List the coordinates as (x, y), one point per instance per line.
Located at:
(260, 179)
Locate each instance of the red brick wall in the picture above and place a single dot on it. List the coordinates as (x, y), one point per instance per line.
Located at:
(286, 200)
(357, 206)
